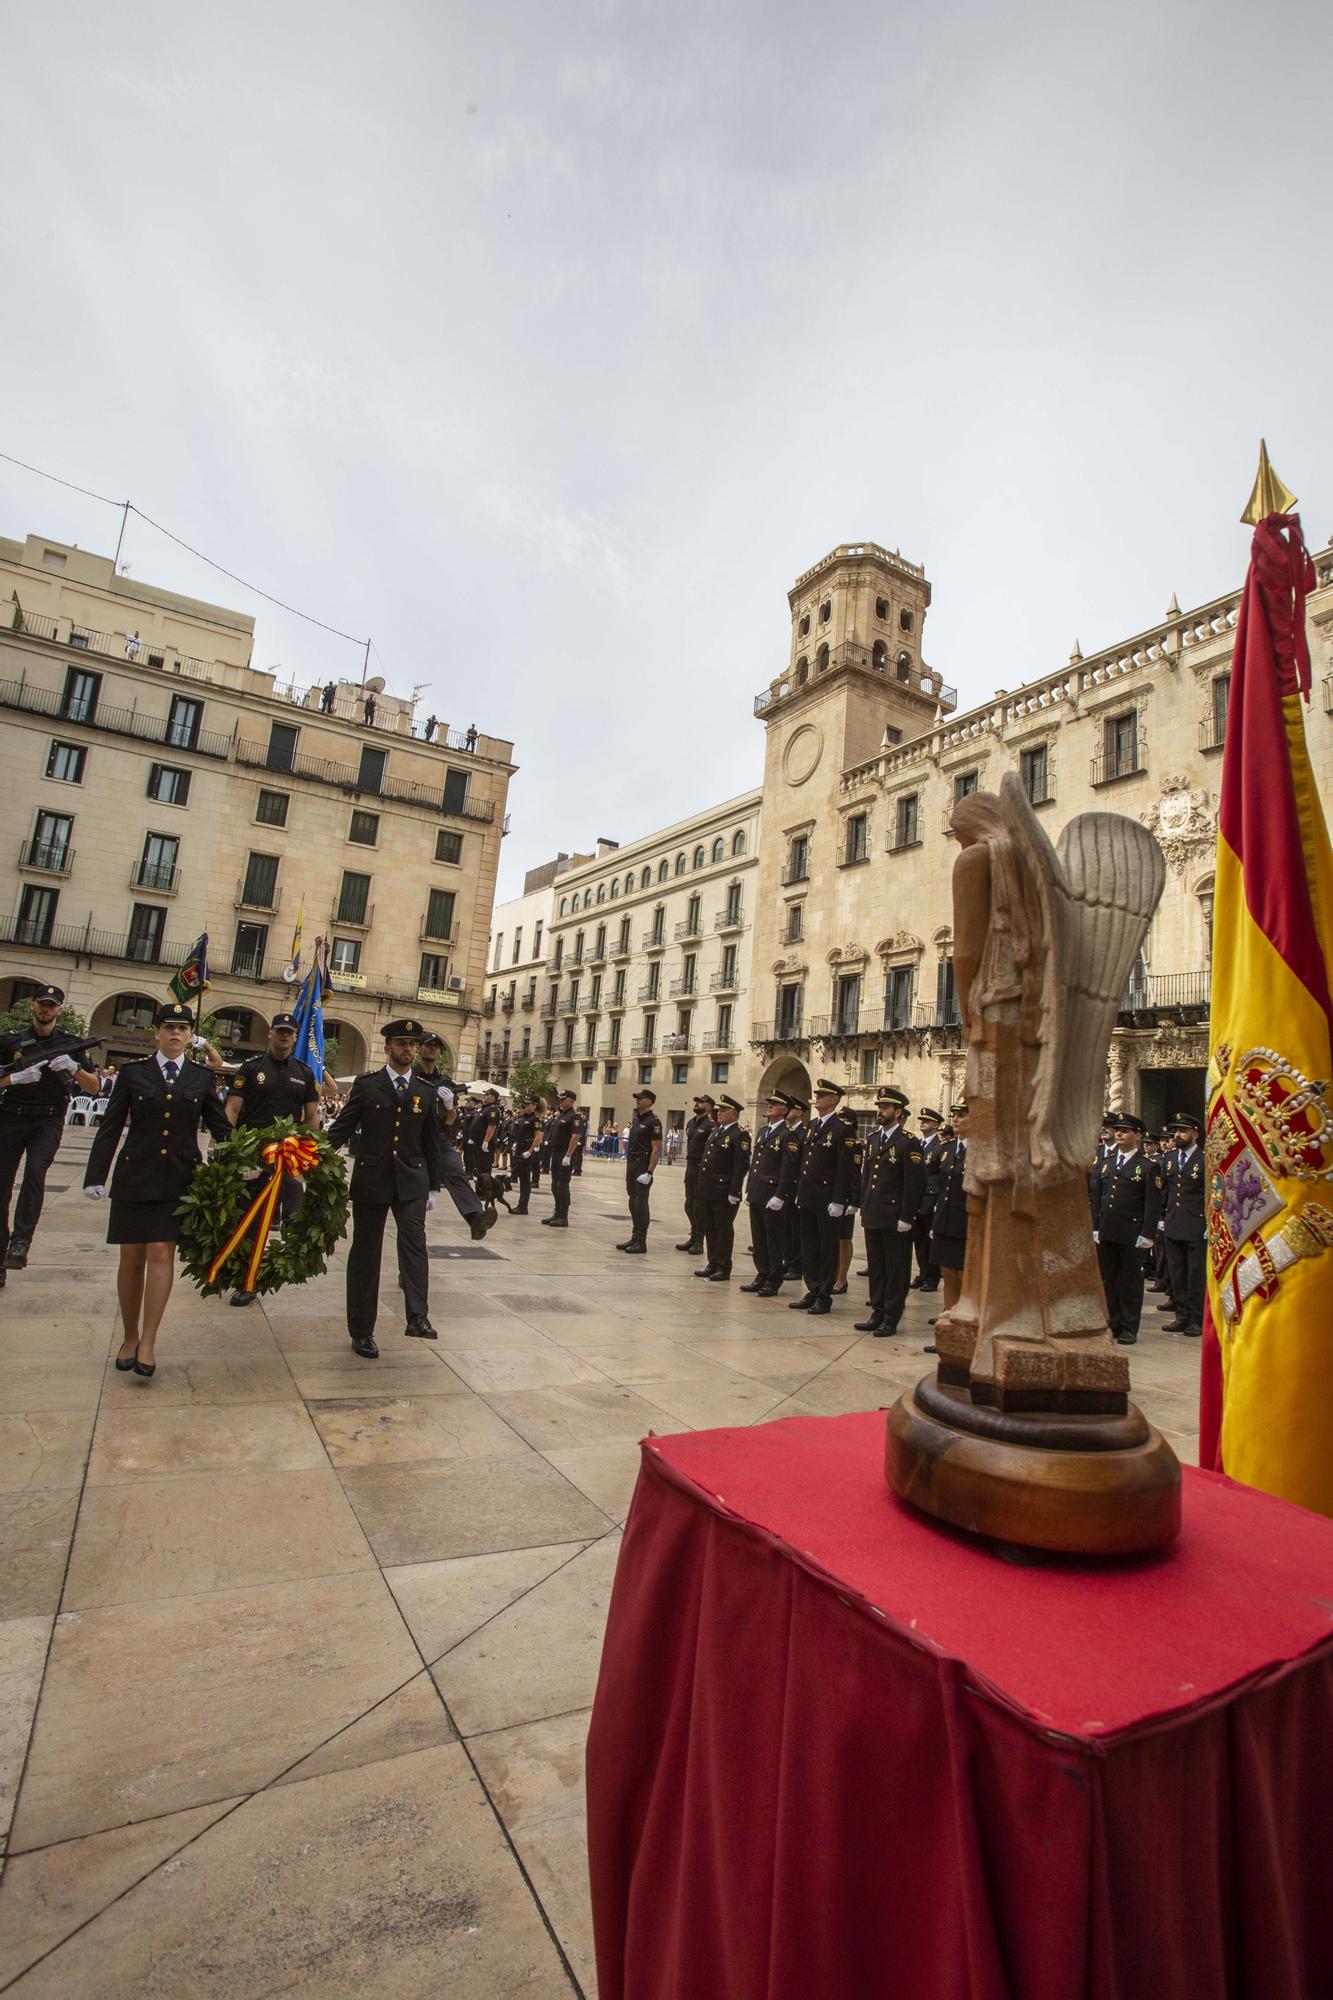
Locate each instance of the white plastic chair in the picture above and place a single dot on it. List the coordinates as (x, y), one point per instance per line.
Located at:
(80, 1111)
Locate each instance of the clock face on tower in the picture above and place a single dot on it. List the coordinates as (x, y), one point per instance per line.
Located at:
(800, 758)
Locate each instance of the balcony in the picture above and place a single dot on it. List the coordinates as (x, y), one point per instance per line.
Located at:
(46, 857)
(508, 1003)
(590, 1052)
(110, 721)
(347, 919)
(570, 1003)
(724, 982)
(620, 953)
(528, 1002)
(488, 1006)
(1213, 732)
(598, 956)
(676, 1045)
(714, 1042)
(644, 1046)
(427, 935)
(693, 927)
(653, 941)
(550, 1007)
(111, 646)
(832, 1027)
(1185, 996)
(684, 989)
(905, 837)
(253, 896)
(729, 920)
(900, 1020)
(347, 778)
(1129, 760)
(617, 1003)
(650, 992)
(780, 1032)
(854, 857)
(795, 872)
(158, 878)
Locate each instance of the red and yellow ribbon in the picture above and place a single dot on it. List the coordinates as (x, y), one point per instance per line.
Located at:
(285, 1156)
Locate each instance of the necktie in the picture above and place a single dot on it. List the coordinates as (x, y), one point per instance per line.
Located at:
(400, 1085)
(170, 1070)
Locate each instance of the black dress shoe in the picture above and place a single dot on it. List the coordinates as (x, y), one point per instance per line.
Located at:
(420, 1328)
(16, 1257)
(477, 1224)
(756, 1286)
(1177, 1325)
(623, 1246)
(802, 1305)
(2, 1277)
(915, 1285)
(144, 1368)
(871, 1325)
(558, 1221)
(635, 1249)
(884, 1332)
(820, 1306)
(520, 1211)
(930, 1288)
(1192, 1332)
(364, 1343)
(719, 1277)
(125, 1363)
(767, 1291)
(243, 1298)
(1126, 1339)
(707, 1272)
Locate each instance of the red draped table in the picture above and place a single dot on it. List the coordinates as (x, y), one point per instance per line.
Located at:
(838, 1752)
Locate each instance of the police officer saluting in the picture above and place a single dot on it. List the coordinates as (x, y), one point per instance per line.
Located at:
(641, 1157)
(722, 1174)
(696, 1138)
(1127, 1204)
(893, 1180)
(392, 1122)
(274, 1085)
(775, 1161)
(830, 1179)
(33, 1104)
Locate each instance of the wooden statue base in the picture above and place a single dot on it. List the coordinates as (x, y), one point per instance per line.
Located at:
(1080, 1485)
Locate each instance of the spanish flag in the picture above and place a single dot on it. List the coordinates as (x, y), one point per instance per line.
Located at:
(1266, 1396)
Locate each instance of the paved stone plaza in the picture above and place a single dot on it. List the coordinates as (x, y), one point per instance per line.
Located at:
(298, 1649)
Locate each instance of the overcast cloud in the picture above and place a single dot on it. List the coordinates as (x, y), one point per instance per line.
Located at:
(546, 343)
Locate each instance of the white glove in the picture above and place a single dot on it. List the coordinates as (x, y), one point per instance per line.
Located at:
(1143, 1243)
(645, 1180)
(734, 1199)
(836, 1208)
(430, 1201)
(198, 1042)
(532, 1155)
(1161, 1226)
(904, 1228)
(65, 1064)
(25, 1075)
(1096, 1235)
(446, 1098)
(95, 1193)
(775, 1202)
(253, 1174)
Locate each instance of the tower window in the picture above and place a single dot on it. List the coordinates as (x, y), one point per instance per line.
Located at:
(907, 621)
(821, 660)
(825, 611)
(804, 626)
(904, 666)
(879, 656)
(881, 607)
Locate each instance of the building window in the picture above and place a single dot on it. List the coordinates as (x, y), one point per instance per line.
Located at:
(622, 943)
(881, 607)
(131, 1010)
(440, 914)
(434, 971)
(272, 809)
(282, 742)
(856, 838)
(898, 990)
(525, 1046)
(728, 969)
(847, 1004)
(879, 657)
(680, 1072)
(789, 1012)
(588, 1073)
(259, 891)
(537, 939)
(946, 997)
(1035, 773)
(645, 1072)
(907, 821)
(370, 774)
(1120, 745)
(449, 847)
(247, 953)
(821, 660)
(802, 671)
(157, 865)
(595, 990)
(455, 790)
(548, 1041)
(613, 1042)
(615, 888)
(721, 1072)
(37, 915)
(798, 858)
(646, 879)
(869, 1059)
(183, 722)
(699, 857)
(601, 892)
(569, 1039)
(906, 621)
(734, 911)
(559, 957)
(612, 1072)
(147, 923)
(618, 990)
(1219, 694)
(365, 828)
(79, 703)
(680, 864)
(649, 1033)
(169, 785)
(345, 956)
(66, 762)
(719, 850)
(964, 784)
(662, 870)
(518, 946)
(49, 846)
(825, 611)
(795, 923)
(353, 898)
(724, 1025)
(738, 843)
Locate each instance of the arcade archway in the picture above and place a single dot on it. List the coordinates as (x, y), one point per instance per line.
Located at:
(784, 1073)
(123, 1022)
(350, 1056)
(239, 1032)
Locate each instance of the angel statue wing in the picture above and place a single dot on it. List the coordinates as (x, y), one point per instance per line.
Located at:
(1098, 889)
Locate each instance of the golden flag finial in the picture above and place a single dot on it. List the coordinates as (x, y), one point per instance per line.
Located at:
(1270, 496)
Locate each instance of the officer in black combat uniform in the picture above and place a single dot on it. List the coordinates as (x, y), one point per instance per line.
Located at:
(775, 1160)
(696, 1138)
(1126, 1221)
(32, 1117)
(563, 1140)
(398, 1159)
(830, 1180)
(524, 1141)
(453, 1173)
(722, 1172)
(1182, 1224)
(265, 1088)
(893, 1180)
(641, 1157)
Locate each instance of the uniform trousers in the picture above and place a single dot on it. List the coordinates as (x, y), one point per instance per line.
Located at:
(926, 1269)
(889, 1255)
(453, 1177)
(768, 1241)
(560, 1178)
(791, 1215)
(820, 1236)
(1184, 1264)
(694, 1206)
(363, 1260)
(1121, 1267)
(719, 1231)
(639, 1214)
(34, 1142)
(523, 1175)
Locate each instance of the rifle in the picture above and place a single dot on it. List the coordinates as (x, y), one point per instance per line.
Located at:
(36, 1043)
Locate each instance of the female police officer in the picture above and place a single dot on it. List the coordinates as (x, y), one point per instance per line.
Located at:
(163, 1101)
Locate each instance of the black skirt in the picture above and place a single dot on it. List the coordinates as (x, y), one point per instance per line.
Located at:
(949, 1252)
(143, 1221)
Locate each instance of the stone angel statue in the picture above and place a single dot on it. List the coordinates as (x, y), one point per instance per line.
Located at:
(1044, 942)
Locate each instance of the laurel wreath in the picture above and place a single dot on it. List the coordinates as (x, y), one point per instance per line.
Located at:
(219, 1195)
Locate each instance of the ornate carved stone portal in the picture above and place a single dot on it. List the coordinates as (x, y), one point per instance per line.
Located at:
(1027, 1431)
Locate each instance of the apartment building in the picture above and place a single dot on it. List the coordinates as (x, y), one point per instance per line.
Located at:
(157, 784)
(519, 945)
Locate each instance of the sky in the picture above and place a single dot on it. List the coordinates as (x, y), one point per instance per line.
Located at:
(545, 342)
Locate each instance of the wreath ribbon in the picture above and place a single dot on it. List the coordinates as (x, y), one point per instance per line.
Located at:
(286, 1156)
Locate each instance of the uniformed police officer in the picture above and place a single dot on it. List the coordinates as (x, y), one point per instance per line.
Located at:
(948, 1234)
(524, 1140)
(563, 1140)
(391, 1119)
(275, 1085)
(830, 1180)
(696, 1138)
(927, 1277)
(798, 1128)
(163, 1101)
(722, 1174)
(775, 1160)
(893, 1180)
(1105, 1148)
(1182, 1224)
(32, 1117)
(453, 1174)
(641, 1156)
(1127, 1206)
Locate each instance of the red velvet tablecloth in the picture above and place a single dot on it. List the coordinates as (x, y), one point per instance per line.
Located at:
(840, 1753)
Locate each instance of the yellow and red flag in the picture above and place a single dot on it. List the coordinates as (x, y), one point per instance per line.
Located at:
(1266, 1397)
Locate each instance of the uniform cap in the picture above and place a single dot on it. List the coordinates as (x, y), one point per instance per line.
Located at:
(927, 1113)
(730, 1102)
(651, 1095)
(429, 1041)
(957, 1110)
(798, 1104)
(169, 1011)
(48, 993)
(409, 1030)
(704, 1098)
(284, 1021)
(832, 1089)
(1186, 1118)
(780, 1097)
(1125, 1121)
(897, 1098)
(566, 1093)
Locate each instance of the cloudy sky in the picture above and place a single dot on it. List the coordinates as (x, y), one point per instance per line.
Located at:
(546, 341)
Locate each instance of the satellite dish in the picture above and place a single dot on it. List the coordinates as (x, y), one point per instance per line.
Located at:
(376, 686)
